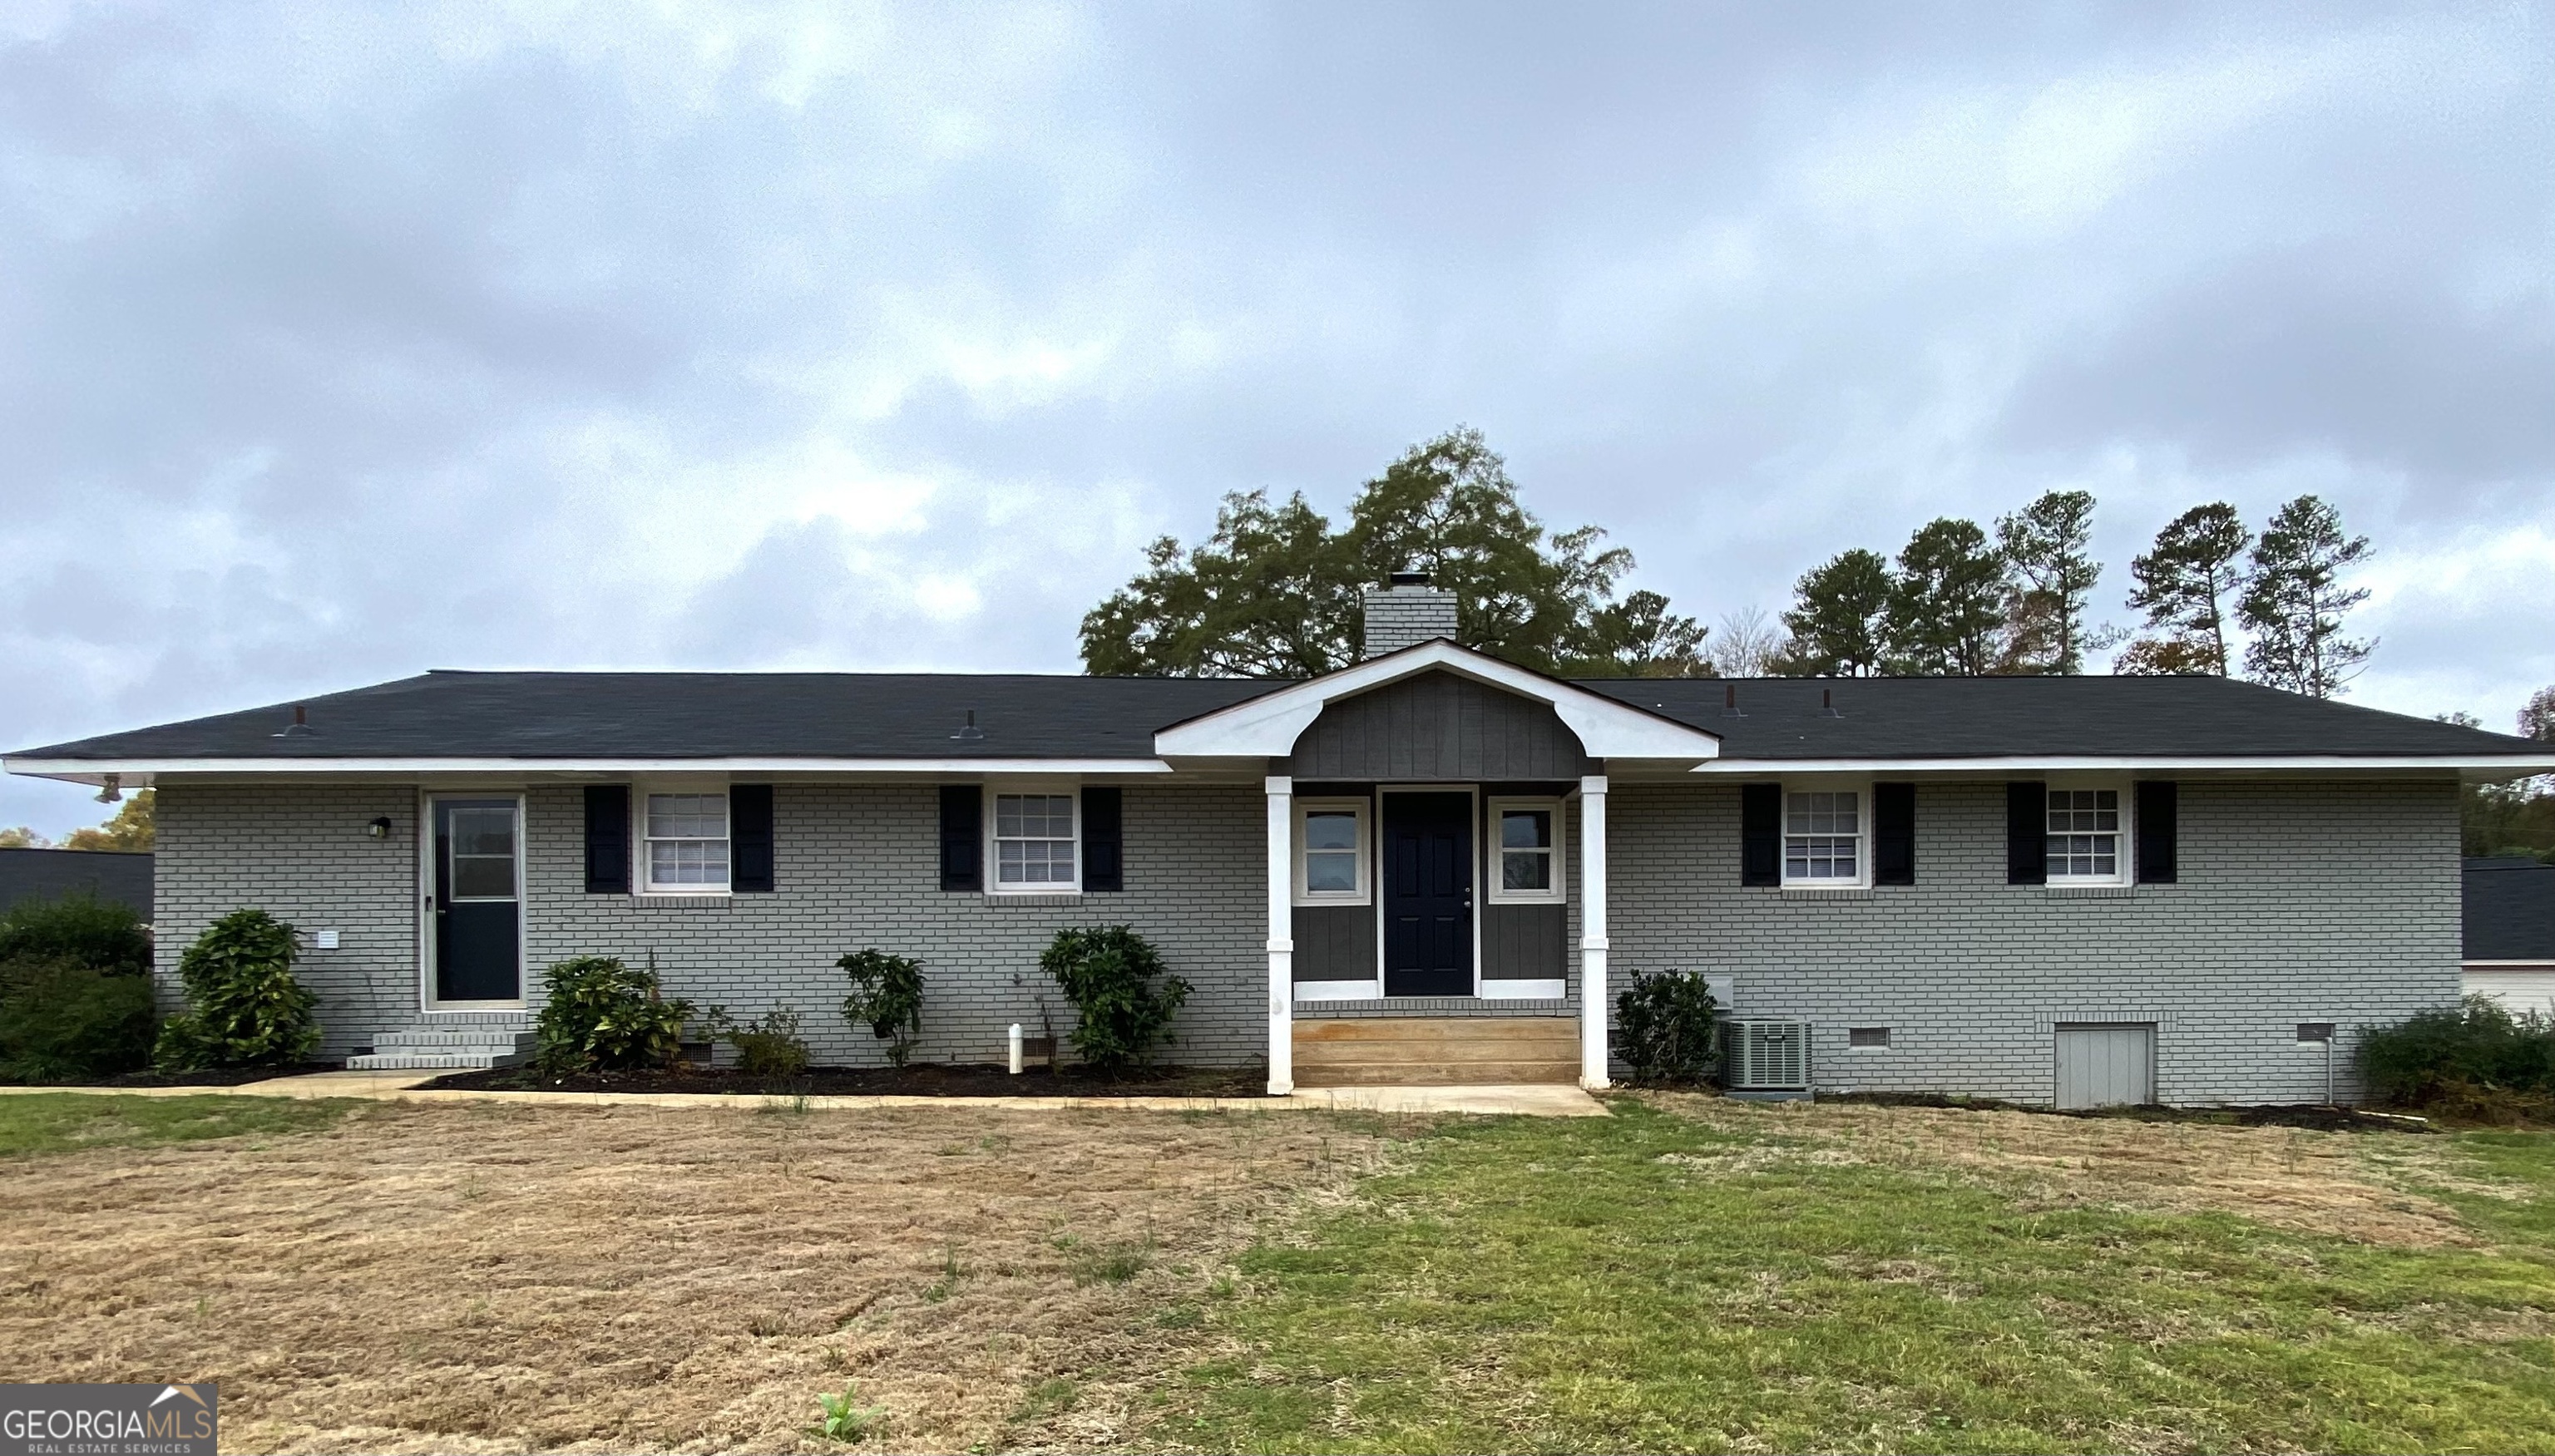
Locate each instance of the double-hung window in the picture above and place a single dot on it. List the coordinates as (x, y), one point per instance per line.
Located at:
(684, 843)
(1035, 843)
(1526, 837)
(2084, 842)
(1331, 851)
(1823, 837)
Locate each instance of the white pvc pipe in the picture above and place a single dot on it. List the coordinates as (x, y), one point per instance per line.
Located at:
(1016, 1049)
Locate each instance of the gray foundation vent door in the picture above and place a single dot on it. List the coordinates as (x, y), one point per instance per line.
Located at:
(2106, 1065)
(1767, 1056)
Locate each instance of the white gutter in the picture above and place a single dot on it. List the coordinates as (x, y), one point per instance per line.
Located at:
(2512, 765)
(139, 772)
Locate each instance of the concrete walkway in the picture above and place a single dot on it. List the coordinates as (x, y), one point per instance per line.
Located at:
(1514, 1101)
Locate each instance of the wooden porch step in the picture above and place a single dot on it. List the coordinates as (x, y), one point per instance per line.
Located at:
(1436, 1051)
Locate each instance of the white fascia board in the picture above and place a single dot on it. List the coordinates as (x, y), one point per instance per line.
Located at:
(2508, 965)
(1268, 725)
(2497, 767)
(139, 772)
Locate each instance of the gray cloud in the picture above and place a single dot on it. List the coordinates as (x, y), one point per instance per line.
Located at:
(340, 343)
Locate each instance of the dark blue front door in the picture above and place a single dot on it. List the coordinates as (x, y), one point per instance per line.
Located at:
(1428, 895)
(477, 909)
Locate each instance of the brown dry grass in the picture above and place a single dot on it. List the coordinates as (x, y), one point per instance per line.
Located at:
(2354, 1186)
(494, 1277)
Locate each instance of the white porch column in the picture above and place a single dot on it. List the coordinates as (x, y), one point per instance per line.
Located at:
(1592, 932)
(1281, 935)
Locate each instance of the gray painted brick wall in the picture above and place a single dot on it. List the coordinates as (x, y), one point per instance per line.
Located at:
(2298, 902)
(854, 865)
(2301, 902)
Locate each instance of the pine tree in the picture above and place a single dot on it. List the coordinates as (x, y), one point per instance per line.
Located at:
(2183, 584)
(2049, 546)
(2294, 602)
(1839, 618)
(1947, 602)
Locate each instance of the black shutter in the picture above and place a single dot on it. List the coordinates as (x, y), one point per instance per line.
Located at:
(2159, 830)
(1104, 858)
(1761, 834)
(2026, 833)
(607, 840)
(1893, 834)
(962, 827)
(749, 829)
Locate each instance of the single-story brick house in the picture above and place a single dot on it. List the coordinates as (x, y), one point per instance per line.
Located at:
(2063, 890)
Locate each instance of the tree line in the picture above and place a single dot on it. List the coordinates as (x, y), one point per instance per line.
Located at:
(1961, 600)
(1275, 592)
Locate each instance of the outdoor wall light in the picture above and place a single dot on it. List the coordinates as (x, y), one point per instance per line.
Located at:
(380, 827)
(112, 789)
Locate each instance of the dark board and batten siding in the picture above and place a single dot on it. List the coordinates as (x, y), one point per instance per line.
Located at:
(1334, 942)
(1526, 942)
(1438, 728)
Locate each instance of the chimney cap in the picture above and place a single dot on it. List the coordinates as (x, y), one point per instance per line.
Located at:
(1414, 576)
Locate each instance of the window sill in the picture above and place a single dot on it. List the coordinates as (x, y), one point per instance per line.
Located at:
(1334, 901)
(701, 899)
(1029, 899)
(1527, 900)
(2090, 892)
(1827, 892)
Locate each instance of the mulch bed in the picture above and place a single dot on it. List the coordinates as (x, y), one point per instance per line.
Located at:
(2315, 1117)
(215, 1078)
(933, 1080)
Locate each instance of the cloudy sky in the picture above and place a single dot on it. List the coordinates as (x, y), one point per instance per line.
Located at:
(340, 344)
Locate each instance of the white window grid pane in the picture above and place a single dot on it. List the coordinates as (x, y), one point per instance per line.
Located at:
(1822, 856)
(2083, 856)
(1823, 813)
(1033, 816)
(686, 816)
(694, 862)
(2084, 811)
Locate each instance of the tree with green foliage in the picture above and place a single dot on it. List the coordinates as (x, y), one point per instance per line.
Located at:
(1946, 611)
(2183, 582)
(1838, 619)
(131, 830)
(244, 1006)
(74, 990)
(2049, 546)
(1278, 592)
(2538, 716)
(104, 934)
(2294, 602)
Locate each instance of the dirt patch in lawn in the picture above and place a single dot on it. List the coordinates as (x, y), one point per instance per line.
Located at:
(934, 1080)
(2355, 1185)
(488, 1277)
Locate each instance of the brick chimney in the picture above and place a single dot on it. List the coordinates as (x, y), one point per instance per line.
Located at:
(1406, 613)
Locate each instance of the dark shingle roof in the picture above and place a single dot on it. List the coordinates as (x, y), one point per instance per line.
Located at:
(788, 715)
(50, 874)
(2509, 909)
(2092, 716)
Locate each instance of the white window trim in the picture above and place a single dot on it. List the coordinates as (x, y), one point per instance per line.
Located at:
(992, 859)
(1493, 868)
(642, 887)
(2125, 868)
(1861, 789)
(1365, 892)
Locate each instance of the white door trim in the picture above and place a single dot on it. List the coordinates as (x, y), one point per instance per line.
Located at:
(421, 903)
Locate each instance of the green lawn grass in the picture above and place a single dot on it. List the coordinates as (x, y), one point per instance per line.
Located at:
(1531, 1284)
(65, 1122)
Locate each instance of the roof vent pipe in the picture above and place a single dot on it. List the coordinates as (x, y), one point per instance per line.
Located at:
(1827, 703)
(969, 732)
(1729, 701)
(299, 727)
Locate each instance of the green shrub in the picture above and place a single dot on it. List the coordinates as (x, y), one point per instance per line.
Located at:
(767, 1046)
(79, 928)
(1108, 974)
(2455, 1054)
(64, 1021)
(1666, 1027)
(887, 996)
(244, 1008)
(599, 1014)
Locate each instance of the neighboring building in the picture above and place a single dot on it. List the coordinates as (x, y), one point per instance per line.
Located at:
(2509, 950)
(2071, 889)
(50, 874)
